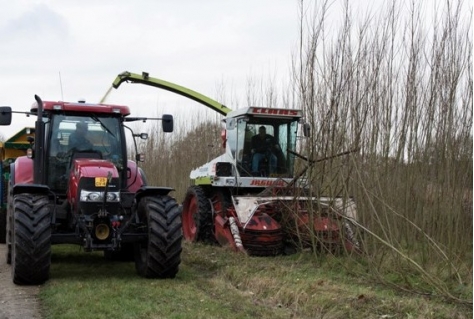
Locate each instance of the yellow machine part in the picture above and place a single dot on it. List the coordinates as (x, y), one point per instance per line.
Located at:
(16, 145)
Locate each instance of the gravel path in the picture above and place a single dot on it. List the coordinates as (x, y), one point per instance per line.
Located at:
(16, 302)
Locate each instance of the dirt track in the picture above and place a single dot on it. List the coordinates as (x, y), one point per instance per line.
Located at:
(16, 302)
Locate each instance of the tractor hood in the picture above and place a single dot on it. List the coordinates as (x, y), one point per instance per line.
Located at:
(92, 175)
(93, 168)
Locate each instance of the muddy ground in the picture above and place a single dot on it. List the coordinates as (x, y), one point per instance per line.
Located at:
(16, 302)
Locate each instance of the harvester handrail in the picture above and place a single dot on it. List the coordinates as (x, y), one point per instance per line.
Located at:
(144, 78)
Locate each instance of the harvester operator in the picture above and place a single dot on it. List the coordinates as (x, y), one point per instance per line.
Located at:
(263, 146)
(78, 139)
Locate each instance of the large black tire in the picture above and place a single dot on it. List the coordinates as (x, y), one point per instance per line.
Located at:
(31, 245)
(197, 216)
(160, 256)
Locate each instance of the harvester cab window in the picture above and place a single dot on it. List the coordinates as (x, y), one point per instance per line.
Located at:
(240, 140)
(265, 160)
(287, 141)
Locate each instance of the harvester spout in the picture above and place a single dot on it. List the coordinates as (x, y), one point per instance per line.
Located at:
(144, 78)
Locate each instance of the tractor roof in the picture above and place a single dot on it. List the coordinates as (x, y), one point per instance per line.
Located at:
(82, 107)
(266, 112)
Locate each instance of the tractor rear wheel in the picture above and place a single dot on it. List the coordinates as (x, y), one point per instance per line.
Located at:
(197, 216)
(31, 239)
(160, 255)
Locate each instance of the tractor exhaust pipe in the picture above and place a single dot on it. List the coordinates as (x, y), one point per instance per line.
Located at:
(38, 161)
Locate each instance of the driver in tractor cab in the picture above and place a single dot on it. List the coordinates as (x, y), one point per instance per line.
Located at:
(263, 146)
(78, 140)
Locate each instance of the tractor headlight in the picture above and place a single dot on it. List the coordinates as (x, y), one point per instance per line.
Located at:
(91, 196)
(88, 196)
(112, 197)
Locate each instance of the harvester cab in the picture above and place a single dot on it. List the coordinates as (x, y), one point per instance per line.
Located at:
(78, 185)
(259, 149)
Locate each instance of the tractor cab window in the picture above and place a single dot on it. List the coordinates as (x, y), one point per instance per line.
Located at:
(262, 147)
(78, 136)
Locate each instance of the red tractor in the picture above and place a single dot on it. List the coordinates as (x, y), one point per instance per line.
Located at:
(87, 192)
(250, 198)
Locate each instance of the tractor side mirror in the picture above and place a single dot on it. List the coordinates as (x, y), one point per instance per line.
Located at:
(5, 115)
(167, 122)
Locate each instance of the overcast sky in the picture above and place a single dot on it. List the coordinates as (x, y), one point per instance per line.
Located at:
(68, 50)
(83, 45)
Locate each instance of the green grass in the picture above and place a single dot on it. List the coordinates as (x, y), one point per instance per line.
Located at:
(216, 283)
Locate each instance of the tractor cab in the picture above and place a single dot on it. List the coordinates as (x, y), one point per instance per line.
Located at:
(260, 141)
(71, 137)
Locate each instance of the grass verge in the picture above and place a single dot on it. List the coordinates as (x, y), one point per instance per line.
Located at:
(216, 283)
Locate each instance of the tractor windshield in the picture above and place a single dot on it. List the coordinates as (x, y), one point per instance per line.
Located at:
(92, 137)
(262, 146)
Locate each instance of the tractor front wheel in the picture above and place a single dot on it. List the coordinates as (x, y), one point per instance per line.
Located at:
(160, 255)
(31, 239)
(197, 216)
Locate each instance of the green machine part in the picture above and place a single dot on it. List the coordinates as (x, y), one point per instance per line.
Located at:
(144, 78)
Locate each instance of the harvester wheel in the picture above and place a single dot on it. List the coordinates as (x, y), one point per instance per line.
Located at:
(197, 216)
(160, 255)
(31, 239)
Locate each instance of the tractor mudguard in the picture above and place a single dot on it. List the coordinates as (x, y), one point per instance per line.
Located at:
(21, 173)
(22, 170)
(37, 189)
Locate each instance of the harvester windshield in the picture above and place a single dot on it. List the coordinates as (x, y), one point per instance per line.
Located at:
(261, 146)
